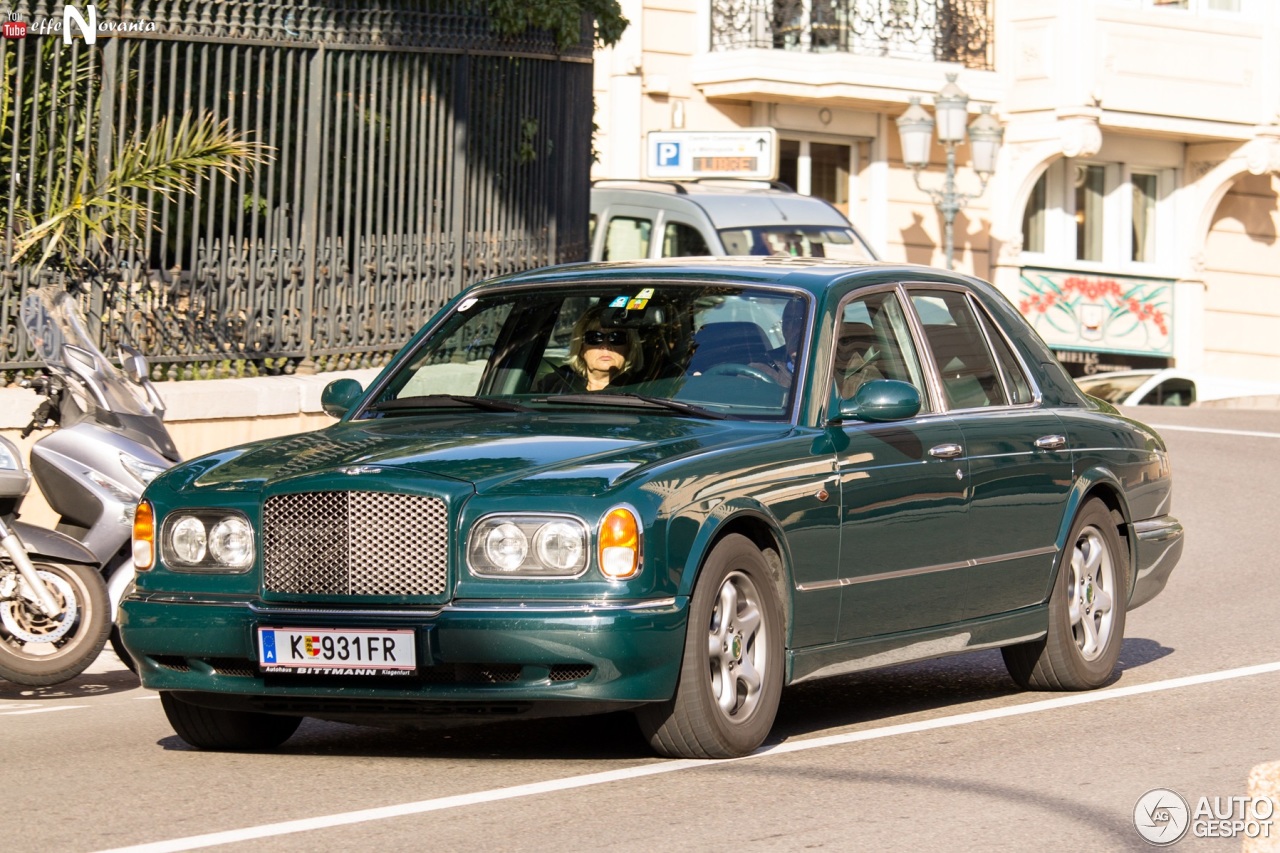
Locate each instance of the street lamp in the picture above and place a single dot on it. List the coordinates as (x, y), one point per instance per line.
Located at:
(916, 127)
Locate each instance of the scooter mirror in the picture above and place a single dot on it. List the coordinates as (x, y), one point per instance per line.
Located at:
(134, 364)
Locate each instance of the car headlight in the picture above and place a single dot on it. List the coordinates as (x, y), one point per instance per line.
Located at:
(207, 540)
(539, 546)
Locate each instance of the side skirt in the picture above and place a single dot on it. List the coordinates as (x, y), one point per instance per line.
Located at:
(840, 658)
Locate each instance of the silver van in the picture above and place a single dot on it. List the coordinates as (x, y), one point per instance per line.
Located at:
(668, 219)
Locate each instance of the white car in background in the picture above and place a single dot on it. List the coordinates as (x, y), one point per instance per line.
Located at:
(1169, 387)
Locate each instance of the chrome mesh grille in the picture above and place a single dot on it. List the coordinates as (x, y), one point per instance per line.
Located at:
(355, 543)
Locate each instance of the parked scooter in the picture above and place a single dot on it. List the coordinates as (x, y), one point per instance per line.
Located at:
(108, 440)
(54, 615)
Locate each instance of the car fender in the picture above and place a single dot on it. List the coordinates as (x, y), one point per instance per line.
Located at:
(1087, 482)
(52, 545)
(715, 522)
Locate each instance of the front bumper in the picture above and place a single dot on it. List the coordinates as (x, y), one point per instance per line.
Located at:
(521, 657)
(1158, 546)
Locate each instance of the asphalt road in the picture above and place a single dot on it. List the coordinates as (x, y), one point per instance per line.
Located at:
(944, 755)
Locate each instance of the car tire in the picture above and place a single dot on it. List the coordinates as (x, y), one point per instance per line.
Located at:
(731, 672)
(1086, 611)
(223, 730)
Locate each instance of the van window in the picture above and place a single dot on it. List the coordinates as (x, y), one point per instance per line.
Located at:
(627, 238)
(681, 241)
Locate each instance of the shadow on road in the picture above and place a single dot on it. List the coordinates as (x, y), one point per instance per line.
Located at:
(82, 686)
(946, 684)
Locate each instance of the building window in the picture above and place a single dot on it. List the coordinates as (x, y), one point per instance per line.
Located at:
(818, 169)
(1108, 214)
(1144, 217)
(1033, 218)
(1090, 185)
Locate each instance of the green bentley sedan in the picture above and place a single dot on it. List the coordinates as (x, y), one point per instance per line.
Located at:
(667, 487)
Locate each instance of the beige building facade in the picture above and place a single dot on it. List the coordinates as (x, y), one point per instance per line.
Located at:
(1133, 213)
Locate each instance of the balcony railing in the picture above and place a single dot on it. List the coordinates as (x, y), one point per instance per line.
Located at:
(939, 30)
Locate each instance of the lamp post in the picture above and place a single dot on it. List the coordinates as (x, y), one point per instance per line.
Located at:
(916, 126)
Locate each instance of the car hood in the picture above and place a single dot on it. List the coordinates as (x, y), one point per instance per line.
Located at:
(582, 453)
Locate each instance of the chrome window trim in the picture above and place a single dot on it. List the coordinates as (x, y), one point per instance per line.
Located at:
(1037, 397)
(828, 378)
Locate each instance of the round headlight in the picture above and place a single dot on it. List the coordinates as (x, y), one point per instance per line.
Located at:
(506, 546)
(188, 540)
(231, 542)
(560, 545)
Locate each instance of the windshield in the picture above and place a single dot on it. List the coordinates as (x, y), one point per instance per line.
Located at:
(699, 350)
(799, 241)
(1113, 389)
(52, 319)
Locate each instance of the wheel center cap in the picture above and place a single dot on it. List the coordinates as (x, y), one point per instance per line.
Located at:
(735, 647)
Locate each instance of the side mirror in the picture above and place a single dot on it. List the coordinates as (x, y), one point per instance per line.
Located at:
(134, 364)
(339, 396)
(882, 400)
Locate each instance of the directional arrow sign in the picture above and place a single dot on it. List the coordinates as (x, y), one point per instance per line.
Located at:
(748, 153)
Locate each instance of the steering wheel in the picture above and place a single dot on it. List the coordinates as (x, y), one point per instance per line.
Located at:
(733, 368)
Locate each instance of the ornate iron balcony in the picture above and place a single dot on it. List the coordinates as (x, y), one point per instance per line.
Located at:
(928, 30)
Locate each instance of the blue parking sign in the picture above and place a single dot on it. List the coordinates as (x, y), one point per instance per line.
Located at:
(668, 153)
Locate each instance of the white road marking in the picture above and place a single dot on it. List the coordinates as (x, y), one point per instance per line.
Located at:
(555, 785)
(44, 710)
(1216, 431)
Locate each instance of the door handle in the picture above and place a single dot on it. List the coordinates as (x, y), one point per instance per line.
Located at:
(1051, 442)
(946, 451)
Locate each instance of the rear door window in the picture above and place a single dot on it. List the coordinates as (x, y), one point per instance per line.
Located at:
(964, 363)
(681, 240)
(626, 238)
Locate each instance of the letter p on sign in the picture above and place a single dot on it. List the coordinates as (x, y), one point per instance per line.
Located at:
(668, 153)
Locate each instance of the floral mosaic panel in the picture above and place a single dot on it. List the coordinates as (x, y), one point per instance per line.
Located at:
(1099, 312)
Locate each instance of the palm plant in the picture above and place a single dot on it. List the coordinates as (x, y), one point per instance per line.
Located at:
(74, 209)
(84, 219)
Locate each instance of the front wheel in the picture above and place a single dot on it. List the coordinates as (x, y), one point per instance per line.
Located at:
(1086, 611)
(36, 649)
(223, 730)
(731, 675)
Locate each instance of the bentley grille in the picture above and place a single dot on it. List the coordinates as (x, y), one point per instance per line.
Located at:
(355, 543)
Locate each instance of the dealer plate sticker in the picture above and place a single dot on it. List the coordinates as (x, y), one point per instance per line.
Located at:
(328, 651)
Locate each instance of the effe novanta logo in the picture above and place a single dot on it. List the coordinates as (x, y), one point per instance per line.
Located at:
(14, 28)
(73, 21)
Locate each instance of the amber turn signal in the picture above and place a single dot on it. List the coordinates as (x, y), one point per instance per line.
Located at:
(619, 544)
(144, 536)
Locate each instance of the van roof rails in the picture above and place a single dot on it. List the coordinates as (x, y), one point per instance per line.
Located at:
(636, 183)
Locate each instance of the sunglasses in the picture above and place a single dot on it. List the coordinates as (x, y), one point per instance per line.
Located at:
(596, 337)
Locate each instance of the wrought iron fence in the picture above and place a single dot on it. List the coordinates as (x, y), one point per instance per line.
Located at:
(413, 152)
(941, 30)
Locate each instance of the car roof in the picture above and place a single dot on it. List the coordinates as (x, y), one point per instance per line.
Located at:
(815, 275)
(733, 204)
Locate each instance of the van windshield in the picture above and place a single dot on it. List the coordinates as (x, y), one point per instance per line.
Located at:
(797, 241)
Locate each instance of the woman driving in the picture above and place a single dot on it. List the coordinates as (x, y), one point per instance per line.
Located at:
(599, 357)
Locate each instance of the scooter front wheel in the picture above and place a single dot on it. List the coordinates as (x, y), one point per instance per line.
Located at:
(37, 649)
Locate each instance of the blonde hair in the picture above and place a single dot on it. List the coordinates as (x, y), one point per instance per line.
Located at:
(590, 320)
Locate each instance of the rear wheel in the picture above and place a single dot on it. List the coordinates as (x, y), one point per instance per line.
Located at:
(37, 649)
(731, 675)
(219, 729)
(1086, 611)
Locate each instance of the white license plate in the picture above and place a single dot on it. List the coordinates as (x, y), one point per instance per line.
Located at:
(329, 651)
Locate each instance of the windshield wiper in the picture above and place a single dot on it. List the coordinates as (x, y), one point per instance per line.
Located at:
(640, 400)
(439, 401)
